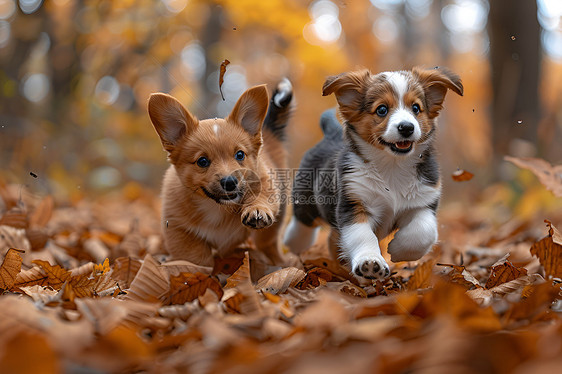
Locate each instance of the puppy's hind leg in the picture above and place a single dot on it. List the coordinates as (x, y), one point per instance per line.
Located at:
(299, 237)
(416, 235)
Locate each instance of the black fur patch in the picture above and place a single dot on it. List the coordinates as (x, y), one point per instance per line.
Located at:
(428, 168)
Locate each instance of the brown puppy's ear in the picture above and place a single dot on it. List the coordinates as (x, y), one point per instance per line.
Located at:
(435, 84)
(349, 89)
(170, 119)
(250, 110)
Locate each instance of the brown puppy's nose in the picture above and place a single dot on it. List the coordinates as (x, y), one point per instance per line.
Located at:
(229, 183)
(405, 129)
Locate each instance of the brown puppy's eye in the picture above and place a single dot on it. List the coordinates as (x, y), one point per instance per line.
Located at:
(240, 156)
(203, 162)
(416, 109)
(382, 110)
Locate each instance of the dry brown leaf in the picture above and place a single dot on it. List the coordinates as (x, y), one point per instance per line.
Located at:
(34, 276)
(240, 275)
(85, 269)
(315, 277)
(37, 238)
(175, 268)
(549, 252)
(278, 281)
(228, 265)
(10, 268)
(105, 313)
(43, 295)
(124, 270)
(187, 287)
(347, 288)
(43, 213)
(56, 276)
(462, 175)
(151, 283)
(458, 274)
(422, 276)
(97, 249)
(550, 176)
(222, 72)
(539, 299)
(233, 300)
(503, 271)
(484, 295)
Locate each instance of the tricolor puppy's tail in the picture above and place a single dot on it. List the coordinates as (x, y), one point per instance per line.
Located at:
(280, 109)
(330, 125)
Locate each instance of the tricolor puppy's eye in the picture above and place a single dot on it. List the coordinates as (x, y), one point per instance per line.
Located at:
(382, 110)
(416, 109)
(240, 156)
(203, 162)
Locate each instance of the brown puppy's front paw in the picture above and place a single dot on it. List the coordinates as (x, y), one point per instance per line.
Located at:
(257, 218)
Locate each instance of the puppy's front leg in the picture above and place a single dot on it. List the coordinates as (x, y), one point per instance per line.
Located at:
(183, 245)
(416, 235)
(359, 244)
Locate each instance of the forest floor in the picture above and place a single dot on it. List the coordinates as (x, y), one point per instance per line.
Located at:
(86, 289)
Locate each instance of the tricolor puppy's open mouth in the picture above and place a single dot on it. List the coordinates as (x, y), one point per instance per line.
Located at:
(402, 147)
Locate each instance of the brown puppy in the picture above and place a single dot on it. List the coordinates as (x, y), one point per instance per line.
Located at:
(219, 185)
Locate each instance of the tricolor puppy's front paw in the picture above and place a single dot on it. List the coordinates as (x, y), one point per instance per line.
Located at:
(257, 218)
(371, 267)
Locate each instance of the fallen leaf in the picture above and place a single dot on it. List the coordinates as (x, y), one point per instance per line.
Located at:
(10, 268)
(462, 175)
(15, 217)
(31, 277)
(151, 283)
(175, 268)
(550, 176)
(422, 276)
(11, 237)
(503, 271)
(278, 281)
(29, 352)
(242, 274)
(221, 75)
(39, 294)
(102, 268)
(124, 270)
(459, 274)
(187, 287)
(347, 288)
(549, 252)
(56, 276)
(484, 295)
(315, 277)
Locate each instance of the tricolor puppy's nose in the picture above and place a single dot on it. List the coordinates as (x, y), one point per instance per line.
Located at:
(229, 183)
(405, 129)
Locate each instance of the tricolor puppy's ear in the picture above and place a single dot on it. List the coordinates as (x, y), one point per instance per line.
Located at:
(349, 88)
(170, 119)
(435, 84)
(250, 110)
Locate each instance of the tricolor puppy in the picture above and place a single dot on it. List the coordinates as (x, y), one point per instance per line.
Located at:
(386, 172)
(218, 187)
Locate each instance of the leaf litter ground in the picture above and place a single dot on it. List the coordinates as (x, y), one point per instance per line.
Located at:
(86, 288)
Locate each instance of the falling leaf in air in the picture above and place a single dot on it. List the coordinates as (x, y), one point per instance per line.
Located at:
(550, 176)
(549, 251)
(504, 271)
(10, 268)
(221, 75)
(461, 175)
(188, 287)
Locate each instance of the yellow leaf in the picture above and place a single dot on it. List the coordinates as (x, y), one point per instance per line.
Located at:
(102, 268)
(10, 268)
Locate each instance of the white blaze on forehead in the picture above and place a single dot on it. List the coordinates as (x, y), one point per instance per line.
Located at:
(400, 84)
(216, 129)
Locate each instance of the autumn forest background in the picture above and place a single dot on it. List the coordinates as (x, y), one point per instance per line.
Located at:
(81, 167)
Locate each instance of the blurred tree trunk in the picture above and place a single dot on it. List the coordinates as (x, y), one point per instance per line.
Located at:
(515, 61)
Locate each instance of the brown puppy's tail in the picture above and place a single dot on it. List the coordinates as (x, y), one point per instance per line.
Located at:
(280, 109)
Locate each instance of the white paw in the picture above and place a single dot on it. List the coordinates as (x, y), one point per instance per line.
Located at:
(370, 267)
